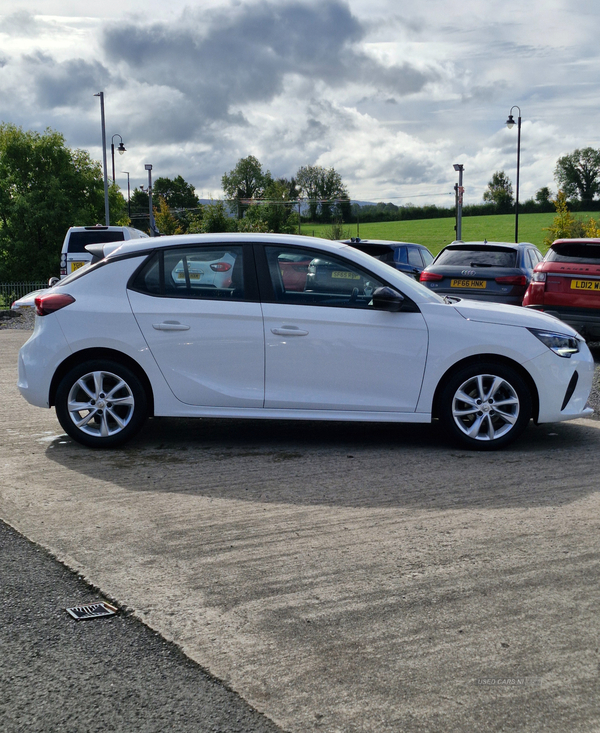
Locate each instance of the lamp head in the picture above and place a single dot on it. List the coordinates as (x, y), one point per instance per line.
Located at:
(121, 149)
(510, 122)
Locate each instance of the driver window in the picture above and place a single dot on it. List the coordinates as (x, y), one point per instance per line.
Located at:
(314, 278)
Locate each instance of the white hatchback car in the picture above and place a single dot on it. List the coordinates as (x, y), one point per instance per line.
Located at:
(129, 337)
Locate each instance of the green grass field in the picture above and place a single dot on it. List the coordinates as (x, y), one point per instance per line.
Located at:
(436, 233)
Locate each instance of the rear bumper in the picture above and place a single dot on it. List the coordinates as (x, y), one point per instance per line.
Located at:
(585, 321)
(479, 295)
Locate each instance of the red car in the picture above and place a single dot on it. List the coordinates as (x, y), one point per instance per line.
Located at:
(566, 284)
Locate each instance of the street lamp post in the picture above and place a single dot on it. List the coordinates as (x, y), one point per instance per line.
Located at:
(459, 190)
(128, 195)
(148, 167)
(510, 123)
(121, 149)
(106, 210)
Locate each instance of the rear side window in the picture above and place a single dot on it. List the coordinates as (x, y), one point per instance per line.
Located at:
(194, 272)
(488, 257)
(414, 257)
(574, 252)
(79, 240)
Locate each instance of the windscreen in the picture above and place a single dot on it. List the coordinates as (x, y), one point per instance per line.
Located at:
(480, 257)
(574, 252)
(79, 240)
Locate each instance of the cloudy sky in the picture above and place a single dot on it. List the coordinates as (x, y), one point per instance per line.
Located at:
(391, 93)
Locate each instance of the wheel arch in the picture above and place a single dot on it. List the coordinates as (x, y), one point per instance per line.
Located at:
(89, 354)
(483, 358)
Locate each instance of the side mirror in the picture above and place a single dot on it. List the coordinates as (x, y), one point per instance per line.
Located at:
(387, 299)
(52, 282)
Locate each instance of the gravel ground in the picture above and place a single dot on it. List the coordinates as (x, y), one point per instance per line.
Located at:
(25, 321)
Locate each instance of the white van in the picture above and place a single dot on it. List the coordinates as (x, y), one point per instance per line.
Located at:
(74, 255)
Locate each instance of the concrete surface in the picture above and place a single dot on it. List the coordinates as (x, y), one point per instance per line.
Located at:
(112, 674)
(339, 578)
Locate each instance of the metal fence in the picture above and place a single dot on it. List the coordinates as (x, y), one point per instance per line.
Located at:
(9, 292)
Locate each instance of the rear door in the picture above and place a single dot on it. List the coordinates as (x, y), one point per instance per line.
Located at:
(198, 310)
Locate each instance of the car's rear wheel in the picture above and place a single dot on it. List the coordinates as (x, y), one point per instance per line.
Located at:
(101, 404)
(485, 406)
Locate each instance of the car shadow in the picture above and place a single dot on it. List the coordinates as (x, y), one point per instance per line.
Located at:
(343, 464)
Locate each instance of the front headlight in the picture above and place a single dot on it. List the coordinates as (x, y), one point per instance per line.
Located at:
(557, 342)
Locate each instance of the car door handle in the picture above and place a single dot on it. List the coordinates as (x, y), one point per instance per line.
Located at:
(170, 326)
(289, 331)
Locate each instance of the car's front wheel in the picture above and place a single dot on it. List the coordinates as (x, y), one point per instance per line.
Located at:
(101, 404)
(485, 406)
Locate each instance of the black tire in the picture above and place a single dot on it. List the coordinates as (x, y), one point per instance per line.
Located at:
(101, 404)
(485, 406)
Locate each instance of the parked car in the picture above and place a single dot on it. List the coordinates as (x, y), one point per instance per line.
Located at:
(566, 284)
(407, 257)
(27, 302)
(74, 254)
(123, 340)
(497, 272)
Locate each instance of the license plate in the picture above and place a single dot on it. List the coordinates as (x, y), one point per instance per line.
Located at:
(76, 265)
(480, 284)
(193, 275)
(585, 285)
(343, 275)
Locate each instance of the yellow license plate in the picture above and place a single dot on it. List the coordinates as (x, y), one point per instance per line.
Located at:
(585, 285)
(342, 274)
(480, 284)
(76, 265)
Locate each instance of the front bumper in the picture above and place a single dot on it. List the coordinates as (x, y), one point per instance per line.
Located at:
(564, 385)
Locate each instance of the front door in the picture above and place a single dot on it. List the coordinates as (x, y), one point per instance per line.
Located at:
(327, 348)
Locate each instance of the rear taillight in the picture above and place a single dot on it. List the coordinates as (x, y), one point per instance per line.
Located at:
(539, 277)
(425, 276)
(46, 304)
(512, 280)
(220, 266)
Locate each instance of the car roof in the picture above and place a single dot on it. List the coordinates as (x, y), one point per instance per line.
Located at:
(486, 243)
(577, 240)
(390, 242)
(134, 246)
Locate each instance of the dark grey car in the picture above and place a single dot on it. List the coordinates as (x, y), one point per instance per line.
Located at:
(407, 257)
(498, 272)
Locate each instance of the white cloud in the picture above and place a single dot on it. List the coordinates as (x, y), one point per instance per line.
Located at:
(389, 93)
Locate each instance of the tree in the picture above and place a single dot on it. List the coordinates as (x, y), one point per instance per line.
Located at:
(578, 174)
(45, 188)
(246, 181)
(277, 213)
(543, 195)
(177, 192)
(564, 224)
(165, 221)
(140, 206)
(499, 192)
(323, 187)
(213, 219)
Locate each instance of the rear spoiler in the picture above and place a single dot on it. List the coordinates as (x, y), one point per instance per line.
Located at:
(100, 251)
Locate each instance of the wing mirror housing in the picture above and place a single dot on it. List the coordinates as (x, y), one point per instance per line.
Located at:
(52, 282)
(387, 299)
